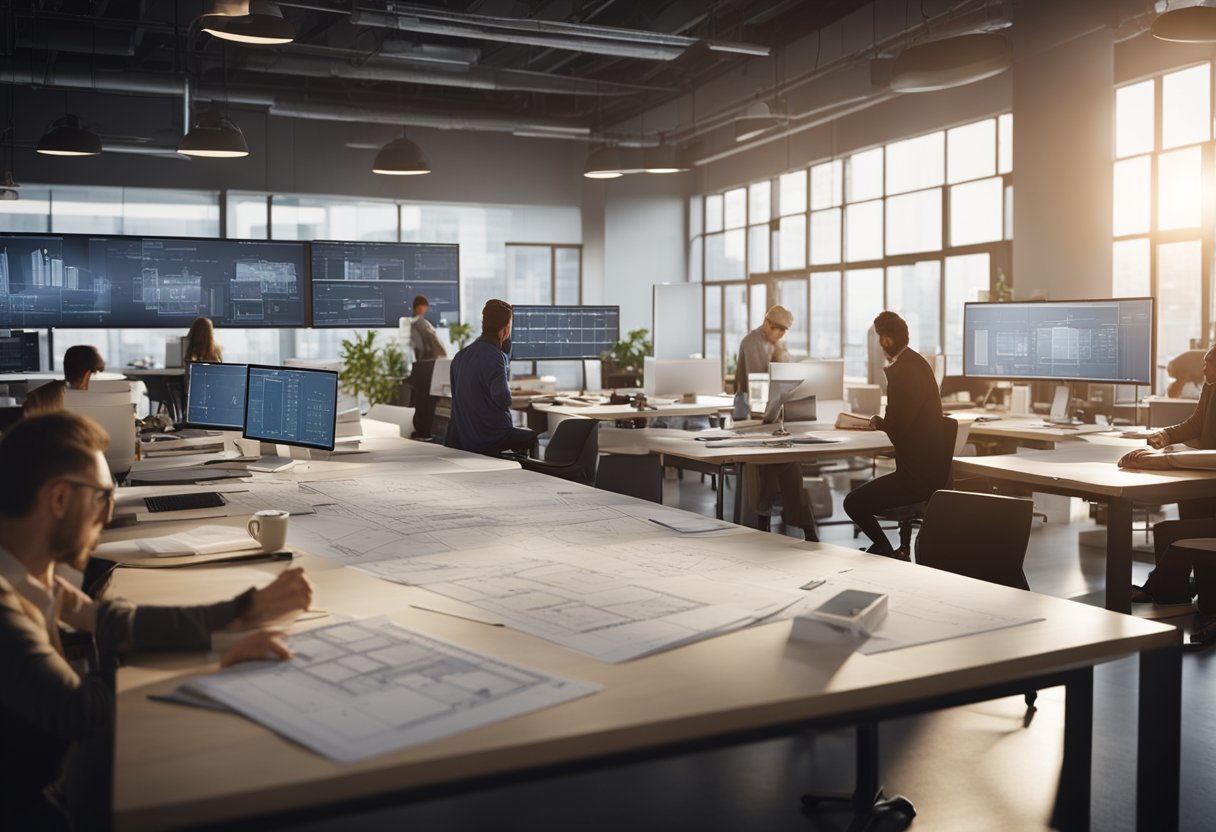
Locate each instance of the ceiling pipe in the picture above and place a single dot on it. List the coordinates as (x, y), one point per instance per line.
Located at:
(377, 68)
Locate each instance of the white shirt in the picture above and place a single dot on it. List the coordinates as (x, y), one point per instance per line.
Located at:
(29, 588)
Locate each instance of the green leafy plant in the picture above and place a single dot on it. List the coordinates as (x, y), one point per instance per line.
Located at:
(629, 353)
(373, 372)
(460, 334)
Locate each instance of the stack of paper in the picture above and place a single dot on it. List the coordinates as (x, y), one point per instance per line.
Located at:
(202, 540)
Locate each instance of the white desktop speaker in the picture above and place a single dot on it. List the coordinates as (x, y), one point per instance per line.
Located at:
(1019, 400)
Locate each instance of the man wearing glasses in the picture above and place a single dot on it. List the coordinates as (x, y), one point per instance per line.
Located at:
(56, 495)
(758, 349)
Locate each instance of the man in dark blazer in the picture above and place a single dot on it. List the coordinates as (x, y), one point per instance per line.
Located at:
(913, 421)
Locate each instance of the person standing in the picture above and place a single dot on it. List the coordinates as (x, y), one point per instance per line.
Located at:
(913, 421)
(423, 340)
(481, 395)
(758, 349)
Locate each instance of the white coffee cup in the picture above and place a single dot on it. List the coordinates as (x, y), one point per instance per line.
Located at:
(269, 527)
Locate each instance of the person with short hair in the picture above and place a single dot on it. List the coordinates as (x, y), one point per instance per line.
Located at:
(763, 345)
(913, 421)
(57, 724)
(758, 349)
(423, 340)
(481, 394)
(80, 363)
(200, 343)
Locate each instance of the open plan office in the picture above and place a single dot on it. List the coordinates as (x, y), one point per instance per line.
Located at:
(751, 415)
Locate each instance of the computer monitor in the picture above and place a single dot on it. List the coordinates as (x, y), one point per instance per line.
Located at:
(680, 376)
(547, 333)
(1083, 340)
(374, 284)
(826, 376)
(64, 280)
(291, 406)
(215, 396)
(19, 352)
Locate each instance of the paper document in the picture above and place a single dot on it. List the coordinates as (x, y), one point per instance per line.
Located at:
(852, 421)
(689, 523)
(201, 540)
(363, 688)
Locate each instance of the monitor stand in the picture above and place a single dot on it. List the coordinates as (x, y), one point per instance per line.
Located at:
(1059, 407)
(270, 459)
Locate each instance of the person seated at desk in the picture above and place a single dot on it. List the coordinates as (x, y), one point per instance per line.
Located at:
(913, 421)
(57, 724)
(200, 343)
(481, 395)
(1185, 369)
(1199, 431)
(1169, 582)
(423, 340)
(80, 364)
(758, 349)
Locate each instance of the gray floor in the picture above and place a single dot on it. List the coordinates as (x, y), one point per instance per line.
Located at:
(966, 769)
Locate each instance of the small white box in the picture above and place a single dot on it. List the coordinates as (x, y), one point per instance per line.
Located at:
(848, 619)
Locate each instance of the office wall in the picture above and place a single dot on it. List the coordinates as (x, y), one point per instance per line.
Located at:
(634, 227)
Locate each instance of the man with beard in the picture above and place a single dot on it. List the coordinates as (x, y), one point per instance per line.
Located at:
(56, 495)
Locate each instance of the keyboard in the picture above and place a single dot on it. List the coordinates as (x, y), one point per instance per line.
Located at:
(185, 502)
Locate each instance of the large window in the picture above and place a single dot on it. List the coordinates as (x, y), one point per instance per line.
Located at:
(482, 231)
(1160, 224)
(920, 226)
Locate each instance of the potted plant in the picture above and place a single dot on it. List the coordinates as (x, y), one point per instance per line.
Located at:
(623, 362)
(460, 334)
(374, 373)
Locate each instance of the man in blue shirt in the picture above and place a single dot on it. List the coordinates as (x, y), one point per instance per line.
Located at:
(481, 398)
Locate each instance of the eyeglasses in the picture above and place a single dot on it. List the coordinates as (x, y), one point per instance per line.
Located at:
(102, 495)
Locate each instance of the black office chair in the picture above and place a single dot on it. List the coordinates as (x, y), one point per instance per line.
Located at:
(910, 515)
(421, 399)
(982, 536)
(572, 454)
(638, 475)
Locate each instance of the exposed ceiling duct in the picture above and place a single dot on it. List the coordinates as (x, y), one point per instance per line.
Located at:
(343, 65)
(599, 40)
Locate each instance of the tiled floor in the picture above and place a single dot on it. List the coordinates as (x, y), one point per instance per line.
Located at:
(967, 769)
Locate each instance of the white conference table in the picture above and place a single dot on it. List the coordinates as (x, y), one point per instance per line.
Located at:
(176, 766)
(1088, 470)
(704, 406)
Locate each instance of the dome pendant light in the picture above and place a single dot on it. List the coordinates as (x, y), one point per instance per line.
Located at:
(1193, 24)
(663, 159)
(950, 62)
(261, 23)
(67, 138)
(401, 157)
(214, 136)
(604, 163)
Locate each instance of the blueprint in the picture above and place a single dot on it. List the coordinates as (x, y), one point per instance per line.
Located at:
(359, 689)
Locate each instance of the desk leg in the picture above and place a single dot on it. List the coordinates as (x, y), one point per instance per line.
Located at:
(1159, 743)
(719, 498)
(1119, 556)
(738, 518)
(1071, 810)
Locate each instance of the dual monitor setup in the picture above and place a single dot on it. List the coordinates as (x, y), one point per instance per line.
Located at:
(283, 405)
(56, 281)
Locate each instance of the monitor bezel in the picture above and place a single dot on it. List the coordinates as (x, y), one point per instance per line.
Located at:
(314, 324)
(186, 377)
(518, 306)
(1066, 379)
(276, 441)
(305, 278)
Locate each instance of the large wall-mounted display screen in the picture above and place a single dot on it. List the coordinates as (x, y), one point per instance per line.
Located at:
(374, 284)
(65, 281)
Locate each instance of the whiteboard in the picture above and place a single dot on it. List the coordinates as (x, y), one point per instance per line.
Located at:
(677, 320)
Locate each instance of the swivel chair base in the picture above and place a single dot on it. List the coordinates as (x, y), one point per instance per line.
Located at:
(868, 800)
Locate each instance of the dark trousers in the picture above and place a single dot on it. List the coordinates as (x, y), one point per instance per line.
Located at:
(520, 440)
(878, 496)
(1169, 581)
(763, 482)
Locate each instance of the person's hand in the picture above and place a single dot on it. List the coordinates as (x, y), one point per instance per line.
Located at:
(256, 647)
(290, 592)
(1159, 440)
(1143, 458)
